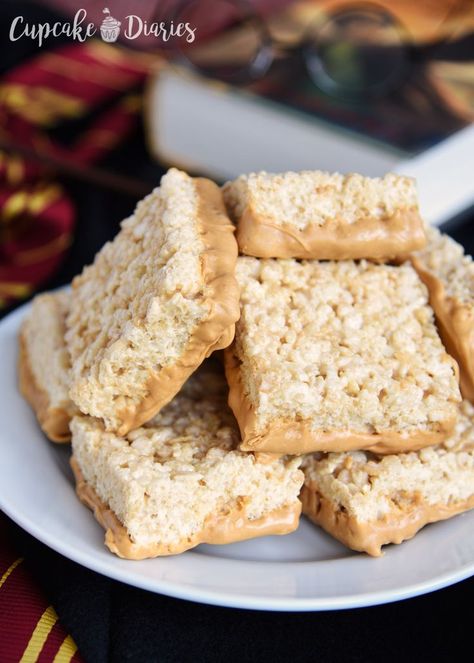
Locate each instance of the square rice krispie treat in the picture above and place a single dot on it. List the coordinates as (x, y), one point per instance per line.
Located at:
(333, 356)
(367, 501)
(314, 214)
(43, 365)
(157, 300)
(180, 480)
(449, 276)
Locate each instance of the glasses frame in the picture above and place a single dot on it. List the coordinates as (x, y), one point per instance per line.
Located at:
(414, 57)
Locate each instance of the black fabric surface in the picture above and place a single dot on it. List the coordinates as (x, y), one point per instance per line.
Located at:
(112, 622)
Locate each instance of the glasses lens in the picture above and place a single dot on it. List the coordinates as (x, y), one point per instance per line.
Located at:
(230, 40)
(357, 52)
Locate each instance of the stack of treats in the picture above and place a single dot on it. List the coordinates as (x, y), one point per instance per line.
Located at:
(347, 331)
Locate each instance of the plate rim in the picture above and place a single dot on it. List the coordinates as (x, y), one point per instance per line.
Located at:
(226, 598)
(244, 601)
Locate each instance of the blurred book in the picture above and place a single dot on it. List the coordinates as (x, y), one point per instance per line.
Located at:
(208, 127)
(283, 119)
(223, 130)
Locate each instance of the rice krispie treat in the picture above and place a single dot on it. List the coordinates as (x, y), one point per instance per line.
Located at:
(449, 276)
(315, 214)
(180, 480)
(367, 501)
(333, 356)
(43, 365)
(157, 300)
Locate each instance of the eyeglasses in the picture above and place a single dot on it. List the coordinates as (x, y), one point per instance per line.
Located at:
(357, 51)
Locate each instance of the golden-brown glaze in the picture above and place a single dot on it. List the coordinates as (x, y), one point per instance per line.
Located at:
(372, 238)
(369, 537)
(53, 421)
(455, 324)
(222, 300)
(296, 437)
(226, 527)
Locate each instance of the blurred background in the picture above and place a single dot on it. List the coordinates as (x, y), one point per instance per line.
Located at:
(90, 117)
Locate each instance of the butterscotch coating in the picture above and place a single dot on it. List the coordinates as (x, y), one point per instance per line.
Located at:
(157, 300)
(449, 275)
(43, 365)
(169, 482)
(368, 501)
(337, 356)
(315, 214)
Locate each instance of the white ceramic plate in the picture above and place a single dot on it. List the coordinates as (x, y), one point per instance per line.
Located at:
(306, 570)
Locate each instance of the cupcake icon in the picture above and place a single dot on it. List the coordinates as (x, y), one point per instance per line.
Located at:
(110, 27)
